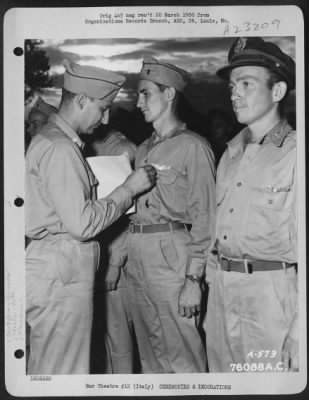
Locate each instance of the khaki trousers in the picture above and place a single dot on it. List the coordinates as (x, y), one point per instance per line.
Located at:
(248, 318)
(119, 329)
(59, 291)
(167, 342)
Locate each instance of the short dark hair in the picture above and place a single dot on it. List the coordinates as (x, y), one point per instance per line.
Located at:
(66, 97)
(161, 86)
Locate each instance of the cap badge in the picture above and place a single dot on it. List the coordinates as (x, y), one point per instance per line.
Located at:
(148, 72)
(240, 45)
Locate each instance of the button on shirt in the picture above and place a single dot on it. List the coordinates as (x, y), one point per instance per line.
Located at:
(61, 188)
(256, 197)
(185, 189)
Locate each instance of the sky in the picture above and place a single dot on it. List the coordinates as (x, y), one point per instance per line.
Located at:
(201, 57)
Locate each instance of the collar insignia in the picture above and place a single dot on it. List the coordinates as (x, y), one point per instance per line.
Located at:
(240, 45)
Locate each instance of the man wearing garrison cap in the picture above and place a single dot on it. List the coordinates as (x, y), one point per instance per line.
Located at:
(38, 117)
(62, 218)
(252, 272)
(170, 233)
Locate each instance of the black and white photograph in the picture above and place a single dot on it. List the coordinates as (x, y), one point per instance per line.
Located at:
(155, 225)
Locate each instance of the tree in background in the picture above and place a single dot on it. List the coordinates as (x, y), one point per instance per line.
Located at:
(36, 69)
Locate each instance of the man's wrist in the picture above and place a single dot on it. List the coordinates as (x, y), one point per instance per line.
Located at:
(193, 278)
(129, 189)
(195, 266)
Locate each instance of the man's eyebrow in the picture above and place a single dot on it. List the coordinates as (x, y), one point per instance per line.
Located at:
(142, 90)
(242, 77)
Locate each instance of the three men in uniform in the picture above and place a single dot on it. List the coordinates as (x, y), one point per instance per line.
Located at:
(248, 240)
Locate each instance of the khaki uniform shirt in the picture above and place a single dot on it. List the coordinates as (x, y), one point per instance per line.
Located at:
(256, 214)
(61, 188)
(256, 197)
(185, 189)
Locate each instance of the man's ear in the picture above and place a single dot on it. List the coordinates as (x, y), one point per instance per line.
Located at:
(81, 100)
(279, 90)
(170, 93)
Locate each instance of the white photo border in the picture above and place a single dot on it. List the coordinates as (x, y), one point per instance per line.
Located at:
(39, 23)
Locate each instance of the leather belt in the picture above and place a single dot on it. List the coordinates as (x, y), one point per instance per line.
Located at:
(250, 266)
(168, 227)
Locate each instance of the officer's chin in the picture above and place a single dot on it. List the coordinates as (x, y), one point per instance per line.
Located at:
(240, 116)
(147, 118)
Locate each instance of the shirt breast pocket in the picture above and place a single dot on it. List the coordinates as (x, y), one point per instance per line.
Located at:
(276, 197)
(172, 190)
(268, 220)
(167, 177)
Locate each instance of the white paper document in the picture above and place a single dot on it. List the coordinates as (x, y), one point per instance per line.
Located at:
(110, 171)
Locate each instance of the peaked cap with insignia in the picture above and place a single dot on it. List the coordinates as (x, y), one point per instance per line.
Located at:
(164, 73)
(257, 52)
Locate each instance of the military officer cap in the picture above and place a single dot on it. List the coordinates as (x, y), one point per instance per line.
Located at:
(96, 83)
(164, 74)
(246, 51)
(41, 106)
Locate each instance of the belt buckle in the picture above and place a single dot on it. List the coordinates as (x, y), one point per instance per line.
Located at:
(228, 264)
(248, 266)
(227, 260)
(131, 227)
(170, 224)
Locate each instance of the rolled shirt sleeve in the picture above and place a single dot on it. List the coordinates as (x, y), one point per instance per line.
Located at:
(200, 204)
(212, 260)
(114, 239)
(117, 249)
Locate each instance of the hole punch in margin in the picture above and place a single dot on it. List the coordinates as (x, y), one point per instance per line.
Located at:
(18, 51)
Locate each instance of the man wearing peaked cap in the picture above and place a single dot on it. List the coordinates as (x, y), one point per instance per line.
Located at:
(62, 218)
(170, 233)
(252, 272)
(257, 52)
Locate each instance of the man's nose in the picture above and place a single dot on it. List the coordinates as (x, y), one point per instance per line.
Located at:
(139, 102)
(235, 93)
